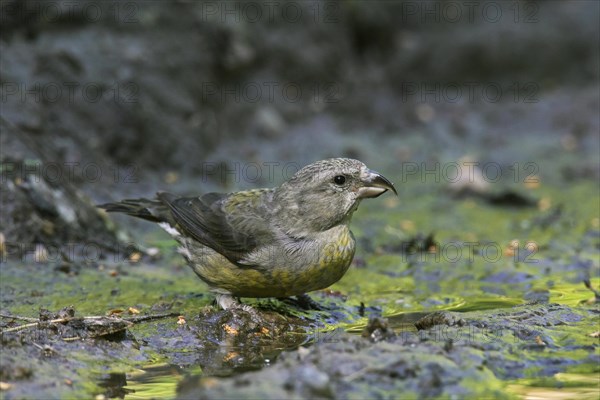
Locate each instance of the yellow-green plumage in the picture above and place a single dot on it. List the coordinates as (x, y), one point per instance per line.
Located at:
(323, 264)
(276, 242)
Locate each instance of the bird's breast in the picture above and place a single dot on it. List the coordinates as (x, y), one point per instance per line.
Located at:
(338, 250)
(281, 269)
(322, 262)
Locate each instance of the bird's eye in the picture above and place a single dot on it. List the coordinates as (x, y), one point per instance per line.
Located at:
(339, 179)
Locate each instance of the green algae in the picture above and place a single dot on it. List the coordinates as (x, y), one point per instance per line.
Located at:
(385, 281)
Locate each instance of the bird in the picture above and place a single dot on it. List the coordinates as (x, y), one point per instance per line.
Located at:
(277, 242)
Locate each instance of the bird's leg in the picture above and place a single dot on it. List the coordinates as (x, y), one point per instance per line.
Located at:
(304, 302)
(228, 302)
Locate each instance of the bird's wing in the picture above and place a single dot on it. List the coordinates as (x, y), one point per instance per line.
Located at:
(231, 224)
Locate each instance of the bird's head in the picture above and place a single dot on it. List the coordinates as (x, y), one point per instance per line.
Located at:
(326, 193)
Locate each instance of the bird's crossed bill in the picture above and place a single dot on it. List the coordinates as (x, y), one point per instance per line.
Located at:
(279, 242)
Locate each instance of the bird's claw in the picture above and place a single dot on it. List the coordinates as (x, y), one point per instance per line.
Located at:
(304, 302)
(228, 302)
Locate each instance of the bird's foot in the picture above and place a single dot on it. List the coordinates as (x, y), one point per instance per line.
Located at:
(228, 302)
(304, 302)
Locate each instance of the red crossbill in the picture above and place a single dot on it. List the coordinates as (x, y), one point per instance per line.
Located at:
(279, 242)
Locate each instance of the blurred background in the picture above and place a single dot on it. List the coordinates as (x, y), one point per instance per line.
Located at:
(126, 98)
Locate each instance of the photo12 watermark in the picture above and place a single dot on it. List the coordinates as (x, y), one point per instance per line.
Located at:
(271, 172)
(71, 92)
(270, 11)
(48, 12)
(329, 12)
(443, 253)
(454, 252)
(469, 92)
(469, 12)
(71, 171)
(453, 172)
(469, 172)
(87, 252)
(459, 334)
(272, 92)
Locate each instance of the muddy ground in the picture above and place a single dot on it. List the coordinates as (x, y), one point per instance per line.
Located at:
(479, 279)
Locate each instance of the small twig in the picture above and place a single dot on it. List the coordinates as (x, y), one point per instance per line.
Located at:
(143, 318)
(72, 338)
(45, 348)
(18, 317)
(133, 320)
(19, 328)
(53, 321)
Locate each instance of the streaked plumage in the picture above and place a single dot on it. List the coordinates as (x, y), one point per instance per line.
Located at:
(276, 242)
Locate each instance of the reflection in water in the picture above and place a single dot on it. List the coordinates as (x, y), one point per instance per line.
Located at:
(155, 382)
(114, 383)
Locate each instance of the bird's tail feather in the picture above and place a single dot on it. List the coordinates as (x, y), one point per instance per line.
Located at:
(150, 210)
